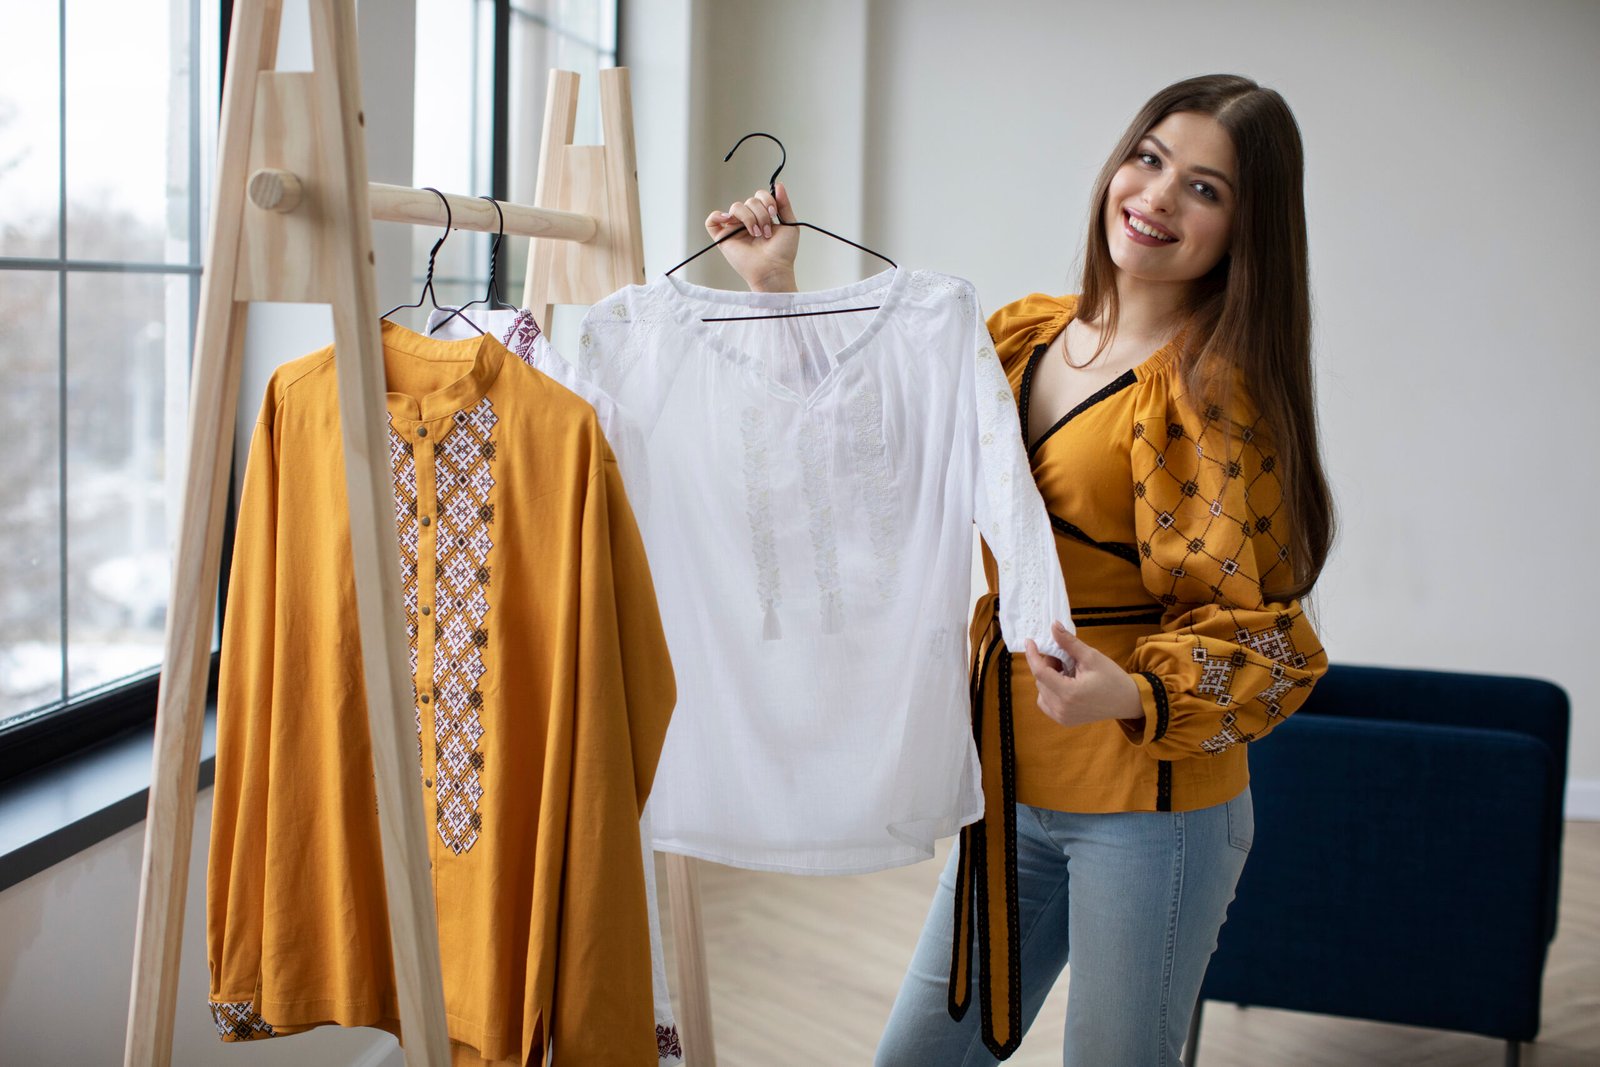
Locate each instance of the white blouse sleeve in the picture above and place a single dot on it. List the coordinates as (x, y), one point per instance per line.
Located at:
(1008, 509)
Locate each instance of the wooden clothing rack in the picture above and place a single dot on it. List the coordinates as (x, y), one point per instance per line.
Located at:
(292, 222)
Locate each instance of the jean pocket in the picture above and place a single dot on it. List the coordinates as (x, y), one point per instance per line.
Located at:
(1241, 821)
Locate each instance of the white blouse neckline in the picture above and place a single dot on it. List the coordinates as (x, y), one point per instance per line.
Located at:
(688, 302)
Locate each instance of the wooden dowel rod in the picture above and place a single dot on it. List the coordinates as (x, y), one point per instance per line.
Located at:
(272, 189)
(396, 203)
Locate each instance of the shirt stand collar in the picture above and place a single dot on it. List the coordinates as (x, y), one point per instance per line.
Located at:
(484, 354)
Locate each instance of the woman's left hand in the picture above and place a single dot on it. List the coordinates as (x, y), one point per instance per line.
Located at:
(1096, 689)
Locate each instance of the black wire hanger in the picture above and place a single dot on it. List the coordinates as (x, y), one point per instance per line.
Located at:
(772, 187)
(433, 253)
(491, 295)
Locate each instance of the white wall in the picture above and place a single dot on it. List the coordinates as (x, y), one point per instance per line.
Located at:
(1451, 156)
(66, 946)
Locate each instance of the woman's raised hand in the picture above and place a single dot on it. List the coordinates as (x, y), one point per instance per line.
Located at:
(763, 252)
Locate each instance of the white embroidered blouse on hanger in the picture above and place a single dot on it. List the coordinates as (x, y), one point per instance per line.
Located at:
(814, 481)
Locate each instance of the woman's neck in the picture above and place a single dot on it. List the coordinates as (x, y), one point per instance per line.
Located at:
(1150, 312)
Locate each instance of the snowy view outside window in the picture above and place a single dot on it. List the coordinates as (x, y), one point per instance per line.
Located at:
(106, 108)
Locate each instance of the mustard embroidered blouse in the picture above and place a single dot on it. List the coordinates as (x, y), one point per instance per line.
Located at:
(1169, 522)
(543, 690)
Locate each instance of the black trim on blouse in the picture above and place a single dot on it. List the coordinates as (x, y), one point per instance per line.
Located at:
(1111, 388)
(1123, 551)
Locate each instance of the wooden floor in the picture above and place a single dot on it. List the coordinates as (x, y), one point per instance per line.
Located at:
(803, 971)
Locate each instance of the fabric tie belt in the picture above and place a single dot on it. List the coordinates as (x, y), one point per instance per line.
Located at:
(986, 869)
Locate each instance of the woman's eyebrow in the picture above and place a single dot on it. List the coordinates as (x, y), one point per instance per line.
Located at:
(1208, 171)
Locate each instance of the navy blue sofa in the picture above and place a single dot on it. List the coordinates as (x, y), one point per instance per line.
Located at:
(1407, 855)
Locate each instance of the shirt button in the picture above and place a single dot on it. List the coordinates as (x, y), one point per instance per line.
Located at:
(422, 431)
(427, 783)
(426, 521)
(427, 610)
(426, 698)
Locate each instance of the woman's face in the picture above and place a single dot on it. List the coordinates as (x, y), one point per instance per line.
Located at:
(1170, 206)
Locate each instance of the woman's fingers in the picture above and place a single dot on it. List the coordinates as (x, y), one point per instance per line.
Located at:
(762, 213)
(747, 217)
(719, 224)
(785, 208)
(1046, 669)
(758, 215)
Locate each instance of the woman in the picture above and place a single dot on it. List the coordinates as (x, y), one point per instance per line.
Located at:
(1170, 424)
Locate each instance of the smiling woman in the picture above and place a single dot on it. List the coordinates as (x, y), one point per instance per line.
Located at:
(1169, 427)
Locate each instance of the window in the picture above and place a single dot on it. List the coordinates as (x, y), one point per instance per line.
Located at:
(105, 120)
(460, 145)
(107, 139)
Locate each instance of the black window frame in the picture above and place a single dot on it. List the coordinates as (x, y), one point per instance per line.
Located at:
(108, 712)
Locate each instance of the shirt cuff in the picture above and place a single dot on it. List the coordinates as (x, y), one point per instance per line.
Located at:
(1157, 714)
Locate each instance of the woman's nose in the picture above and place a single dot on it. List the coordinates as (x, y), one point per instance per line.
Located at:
(1161, 192)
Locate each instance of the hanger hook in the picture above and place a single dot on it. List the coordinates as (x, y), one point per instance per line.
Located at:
(492, 294)
(448, 222)
(501, 215)
(772, 182)
(427, 285)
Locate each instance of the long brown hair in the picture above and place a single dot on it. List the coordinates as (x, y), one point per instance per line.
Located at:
(1250, 317)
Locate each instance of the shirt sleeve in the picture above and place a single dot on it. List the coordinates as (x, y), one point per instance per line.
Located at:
(236, 866)
(603, 1002)
(1007, 507)
(1230, 661)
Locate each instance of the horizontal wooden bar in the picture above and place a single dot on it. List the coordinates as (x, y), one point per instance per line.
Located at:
(396, 203)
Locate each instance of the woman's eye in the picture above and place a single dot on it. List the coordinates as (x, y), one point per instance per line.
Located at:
(1149, 159)
(1205, 190)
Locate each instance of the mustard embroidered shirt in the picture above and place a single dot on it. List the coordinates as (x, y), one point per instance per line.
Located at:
(543, 691)
(1169, 527)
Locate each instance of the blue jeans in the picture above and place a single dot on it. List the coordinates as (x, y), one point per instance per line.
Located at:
(1134, 900)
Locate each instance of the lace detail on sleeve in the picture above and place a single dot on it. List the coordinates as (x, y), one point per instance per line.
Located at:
(1010, 514)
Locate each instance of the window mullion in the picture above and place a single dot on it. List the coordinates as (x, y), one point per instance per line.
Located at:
(61, 337)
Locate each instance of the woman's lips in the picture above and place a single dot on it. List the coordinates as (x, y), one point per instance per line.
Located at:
(1135, 226)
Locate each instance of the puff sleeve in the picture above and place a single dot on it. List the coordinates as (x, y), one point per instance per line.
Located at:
(1230, 662)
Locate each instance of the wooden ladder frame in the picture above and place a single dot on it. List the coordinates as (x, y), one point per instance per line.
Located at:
(291, 222)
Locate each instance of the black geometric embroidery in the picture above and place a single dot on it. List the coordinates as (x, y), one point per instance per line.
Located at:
(1274, 643)
(667, 1044)
(1216, 676)
(403, 459)
(1225, 738)
(520, 337)
(465, 482)
(236, 1020)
